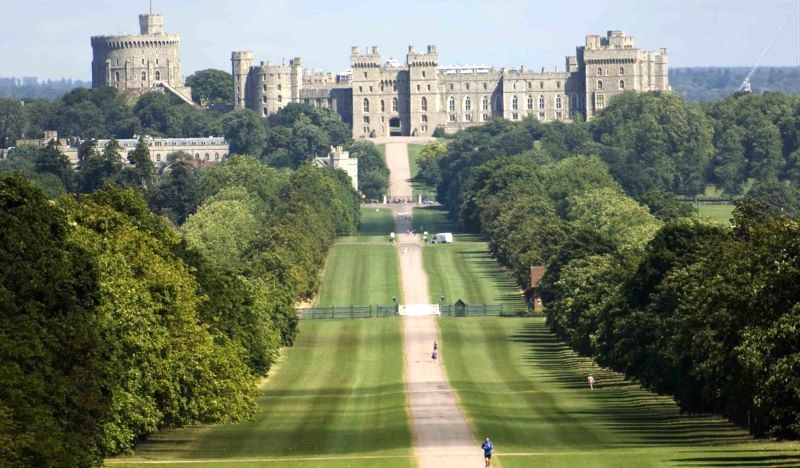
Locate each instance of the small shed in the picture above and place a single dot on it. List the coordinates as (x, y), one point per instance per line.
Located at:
(460, 308)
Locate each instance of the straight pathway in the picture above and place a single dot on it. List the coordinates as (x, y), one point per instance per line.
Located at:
(442, 436)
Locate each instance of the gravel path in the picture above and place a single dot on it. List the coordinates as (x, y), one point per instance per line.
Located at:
(442, 437)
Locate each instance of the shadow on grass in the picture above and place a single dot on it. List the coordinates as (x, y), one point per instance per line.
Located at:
(740, 460)
(626, 409)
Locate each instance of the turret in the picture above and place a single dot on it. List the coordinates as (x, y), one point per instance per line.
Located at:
(151, 25)
(240, 67)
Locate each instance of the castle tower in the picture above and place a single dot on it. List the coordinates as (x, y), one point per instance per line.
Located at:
(241, 62)
(137, 64)
(151, 25)
(424, 109)
(368, 89)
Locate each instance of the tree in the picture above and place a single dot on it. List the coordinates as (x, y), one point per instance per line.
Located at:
(51, 160)
(12, 122)
(308, 142)
(781, 197)
(141, 174)
(98, 170)
(245, 133)
(666, 206)
(211, 87)
(157, 114)
(373, 174)
(51, 374)
(428, 162)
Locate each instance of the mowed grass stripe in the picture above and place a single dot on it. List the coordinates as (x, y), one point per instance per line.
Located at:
(339, 391)
(360, 275)
(362, 270)
(464, 269)
(519, 385)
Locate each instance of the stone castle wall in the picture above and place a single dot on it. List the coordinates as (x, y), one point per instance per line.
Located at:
(418, 96)
(136, 64)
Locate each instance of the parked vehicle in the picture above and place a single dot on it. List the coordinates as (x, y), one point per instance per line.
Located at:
(442, 238)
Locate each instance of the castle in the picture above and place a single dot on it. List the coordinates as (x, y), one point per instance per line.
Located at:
(136, 64)
(386, 98)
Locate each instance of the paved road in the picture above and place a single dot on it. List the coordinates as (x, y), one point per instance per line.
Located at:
(442, 436)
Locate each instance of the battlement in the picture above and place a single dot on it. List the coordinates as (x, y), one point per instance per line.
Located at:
(613, 40)
(371, 58)
(429, 59)
(151, 25)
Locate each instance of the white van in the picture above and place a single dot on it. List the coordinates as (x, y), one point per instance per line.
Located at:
(442, 238)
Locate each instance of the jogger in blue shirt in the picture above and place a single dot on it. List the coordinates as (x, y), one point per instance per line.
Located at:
(487, 451)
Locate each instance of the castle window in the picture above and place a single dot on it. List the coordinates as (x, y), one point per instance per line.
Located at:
(467, 85)
(541, 102)
(394, 104)
(599, 101)
(485, 86)
(530, 102)
(116, 76)
(366, 120)
(485, 103)
(158, 75)
(424, 119)
(451, 86)
(541, 115)
(514, 85)
(467, 117)
(279, 86)
(622, 85)
(144, 76)
(207, 157)
(280, 98)
(558, 84)
(424, 104)
(600, 85)
(558, 116)
(365, 75)
(514, 116)
(383, 106)
(419, 87)
(142, 61)
(265, 87)
(621, 70)
(156, 61)
(423, 73)
(370, 89)
(514, 103)
(452, 117)
(360, 89)
(530, 85)
(451, 104)
(574, 101)
(558, 101)
(158, 158)
(599, 71)
(197, 156)
(264, 112)
(485, 117)
(216, 156)
(429, 87)
(541, 85)
(264, 99)
(467, 104)
(365, 105)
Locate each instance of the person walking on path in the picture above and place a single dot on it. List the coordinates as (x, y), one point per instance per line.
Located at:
(435, 346)
(591, 383)
(434, 355)
(487, 451)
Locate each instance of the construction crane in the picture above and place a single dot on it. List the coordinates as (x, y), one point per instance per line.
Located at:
(745, 86)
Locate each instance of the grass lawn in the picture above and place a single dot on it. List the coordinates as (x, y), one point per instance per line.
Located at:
(337, 399)
(464, 269)
(418, 188)
(526, 390)
(362, 270)
(721, 213)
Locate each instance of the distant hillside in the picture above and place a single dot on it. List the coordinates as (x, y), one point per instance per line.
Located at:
(32, 88)
(714, 83)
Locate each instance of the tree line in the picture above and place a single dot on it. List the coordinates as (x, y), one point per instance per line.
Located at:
(296, 134)
(707, 313)
(136, 301)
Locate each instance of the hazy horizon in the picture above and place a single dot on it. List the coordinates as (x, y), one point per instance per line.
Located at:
(50, 40)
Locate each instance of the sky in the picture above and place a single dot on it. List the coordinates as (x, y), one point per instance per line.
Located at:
(50, 38)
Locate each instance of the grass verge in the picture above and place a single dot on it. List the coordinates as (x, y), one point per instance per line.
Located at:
(519, 385)
(418, 188)
(337, 399)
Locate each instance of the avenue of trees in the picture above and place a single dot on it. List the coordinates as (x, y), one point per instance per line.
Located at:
(134, 300)
(707, 313)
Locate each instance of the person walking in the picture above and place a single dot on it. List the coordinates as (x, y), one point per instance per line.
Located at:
(487, 447)
(591, 382)
(435, 345)
(435, 355)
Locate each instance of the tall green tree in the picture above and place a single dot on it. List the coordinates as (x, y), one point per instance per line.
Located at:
(245, 132)
(211, 87)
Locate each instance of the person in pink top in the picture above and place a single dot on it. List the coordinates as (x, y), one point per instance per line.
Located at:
(591, 383)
